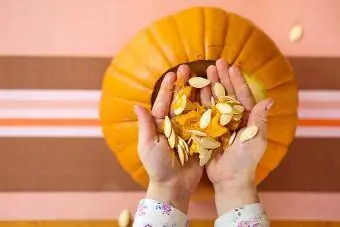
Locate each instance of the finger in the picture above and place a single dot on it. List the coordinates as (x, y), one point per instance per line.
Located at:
(146, 127)
(205, 96)
(223, 73)
(242, 90)
(183, 75)
(212, 75)
(258, 116)
(161, 105)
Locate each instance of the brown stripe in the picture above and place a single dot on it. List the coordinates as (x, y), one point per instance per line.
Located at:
(310, 165)
(87, 164)
(60, 164)
(87, 72)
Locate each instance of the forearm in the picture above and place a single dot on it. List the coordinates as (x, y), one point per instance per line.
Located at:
(168, 195)
(231, 195)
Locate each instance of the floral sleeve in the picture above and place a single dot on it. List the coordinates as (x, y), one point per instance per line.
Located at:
(252, 215)
(151, 213)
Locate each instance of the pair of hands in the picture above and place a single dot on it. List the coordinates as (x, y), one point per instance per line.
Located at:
(232, 172)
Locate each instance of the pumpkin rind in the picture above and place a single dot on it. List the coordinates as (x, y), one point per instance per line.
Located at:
(199, 33)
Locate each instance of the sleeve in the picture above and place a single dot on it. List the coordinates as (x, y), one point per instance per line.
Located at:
(151, 213)
(249, 215)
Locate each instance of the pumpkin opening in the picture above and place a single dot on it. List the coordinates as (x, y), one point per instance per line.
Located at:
(200, 67)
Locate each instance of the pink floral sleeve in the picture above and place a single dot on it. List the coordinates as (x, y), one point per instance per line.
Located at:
(252, 215)
(151, 213)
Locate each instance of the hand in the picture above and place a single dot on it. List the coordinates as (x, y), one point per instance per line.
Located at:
(232, 171)
(168, 183)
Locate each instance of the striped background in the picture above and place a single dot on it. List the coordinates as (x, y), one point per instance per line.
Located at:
(54, 163)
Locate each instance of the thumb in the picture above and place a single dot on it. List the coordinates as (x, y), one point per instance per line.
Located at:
(258, 116)
(146, 126)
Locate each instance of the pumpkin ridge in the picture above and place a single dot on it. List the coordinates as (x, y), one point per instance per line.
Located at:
(157, 46)
(204, 32)
(180, 36)
(276, 55)
(244, 45)
(244, 42)
(130, 75)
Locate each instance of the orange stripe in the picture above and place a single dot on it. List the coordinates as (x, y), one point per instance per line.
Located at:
(95, 122)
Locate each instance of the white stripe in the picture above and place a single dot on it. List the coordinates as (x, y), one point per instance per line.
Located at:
(319, 113)
(44, 94)
(77, 94)
(319, 95)
(107, 205)
(48, 132)
(317, 132)
(95, 132)
(37, 113)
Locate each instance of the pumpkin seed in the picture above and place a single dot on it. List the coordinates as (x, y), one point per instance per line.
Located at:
(225, 118)
(212, 101)
(209, 143)
(295, 33)
(224, 108)
(172, 139)
(184, 147)
(205, 119)
(124, 218)
(224, 99)
(197, 133)
(232, 138)
(180, 105)
(199, 82)
(237, 117)
(205, 156)
(238, 109)
(219, 90)
(180, 154)
(167, 127)
(249, 133)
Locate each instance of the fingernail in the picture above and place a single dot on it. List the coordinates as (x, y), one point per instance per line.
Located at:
(270, 104)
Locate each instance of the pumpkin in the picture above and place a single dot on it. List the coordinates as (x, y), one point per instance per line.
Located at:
(196, 36)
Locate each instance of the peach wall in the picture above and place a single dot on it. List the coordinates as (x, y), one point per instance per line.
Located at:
(101, 27)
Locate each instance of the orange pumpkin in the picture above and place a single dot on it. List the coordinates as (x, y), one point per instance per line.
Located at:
(196, 36)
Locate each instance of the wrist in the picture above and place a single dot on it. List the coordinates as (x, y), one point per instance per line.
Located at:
(234, 194)
(167, 194)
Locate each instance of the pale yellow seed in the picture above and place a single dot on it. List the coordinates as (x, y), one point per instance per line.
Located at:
(237, 117)
(184, 147)
(198, 82)
(209, 143)
(197, 133)
(238, 109)
(224, 108)
(296, 33)
(212, 101)
(124, 218)
(172, 139)
(205, 119)
(249, 133)
(205, 156)
(181, 154)
(232, 138)
(180, 105)
(225, 119)
(224, 99)
(219, 90)
(167, 127)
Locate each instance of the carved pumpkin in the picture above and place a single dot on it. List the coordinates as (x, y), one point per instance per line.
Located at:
(196, 36)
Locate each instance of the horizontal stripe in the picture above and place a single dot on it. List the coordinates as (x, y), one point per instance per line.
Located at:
(87, 72)
(193, 223)
(83, 164)
(101, 206)
(107, 27)
(89, 128)
(38, 113)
